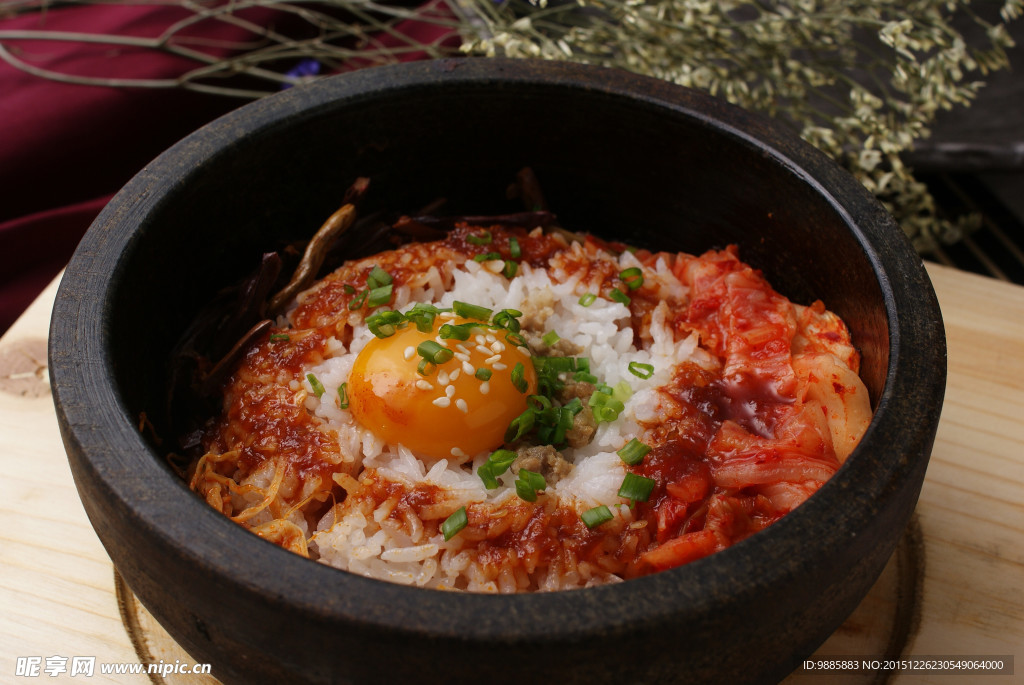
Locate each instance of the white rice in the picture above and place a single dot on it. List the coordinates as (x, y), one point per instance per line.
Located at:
(372, 544)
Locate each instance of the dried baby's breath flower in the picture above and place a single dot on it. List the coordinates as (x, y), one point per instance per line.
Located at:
(860, 79)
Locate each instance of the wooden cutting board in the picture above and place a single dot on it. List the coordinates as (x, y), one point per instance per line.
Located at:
(955, 587)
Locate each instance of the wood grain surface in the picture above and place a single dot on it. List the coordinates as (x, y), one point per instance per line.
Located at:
(954, 587)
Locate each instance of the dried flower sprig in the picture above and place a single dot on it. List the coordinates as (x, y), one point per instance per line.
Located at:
(860, 79)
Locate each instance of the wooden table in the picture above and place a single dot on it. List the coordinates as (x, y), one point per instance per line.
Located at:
(955, 587)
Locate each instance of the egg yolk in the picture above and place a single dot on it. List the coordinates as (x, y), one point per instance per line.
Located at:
(452, 410)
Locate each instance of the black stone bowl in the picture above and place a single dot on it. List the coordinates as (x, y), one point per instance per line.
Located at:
(623, 156)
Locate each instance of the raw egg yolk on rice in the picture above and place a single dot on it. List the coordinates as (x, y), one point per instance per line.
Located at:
(454, 408)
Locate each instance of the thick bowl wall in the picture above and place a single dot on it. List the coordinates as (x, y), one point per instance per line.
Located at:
(620, 155)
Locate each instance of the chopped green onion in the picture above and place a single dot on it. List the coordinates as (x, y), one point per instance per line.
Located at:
(515, 339)
(535, 480)
(528, 483)
(487, 257)
(521, 425)
(460, 331)
(592, 518)
(507, 319)
(471, 311)
(343, 396)
(482, 239)
(358, 301)
(497, 463)
(434, 352)
(584, 377)
(513, 248)
(550, 338)
(384, 324)
(425, 367)
(636, 488)
(379, 295)
(641, 370)
(314, 382)
(619, 296)
(349, 289)
(574, 406)
(605, 407)
(632, 277)
(454, 523)
(588, 299)
(483, 374)
(510, 269)
(525, 492)
(634, 452)
(378, 277)
(518, 378)
(279, 336)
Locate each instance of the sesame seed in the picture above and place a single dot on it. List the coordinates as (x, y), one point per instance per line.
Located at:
(449, 390)
(485, 387)
(441, 402)
(447, 315)
(462, 348)
(442, 377)
(456, 452)
(495, 266)
(424, 385)
(524, 351)
(490, 338)
(409, 353)
(480, 339)
(461, 404)
(454, 374)
(483, 350)
(467, 367)
(499, 366)
(492, 359)
(462, 356)
(497, 347)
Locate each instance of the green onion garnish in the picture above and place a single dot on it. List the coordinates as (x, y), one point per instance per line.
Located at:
(349, 289)
(358, 301)
(379, 295)
(636, 488)
(314, 382)
(641, 370)
(454, 523)
(510, 269)
(525, 492)
(487, 257)
(434, 352)
(515, 339)
(619, 296)
(343, 396)
(279, 336)
(378, 277)
(483, 374)
(425, 367)
(528, 483)
(513, 248)
(497, 463)
(384, 324)
(588, 299)
(471, 311)
(507, 319)
(460, 331)
(482, 239)
(605, 407)
(634, 452)
(518, 378)
(550, 338)
(632, 277)
(592, 518)
(520, 425)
